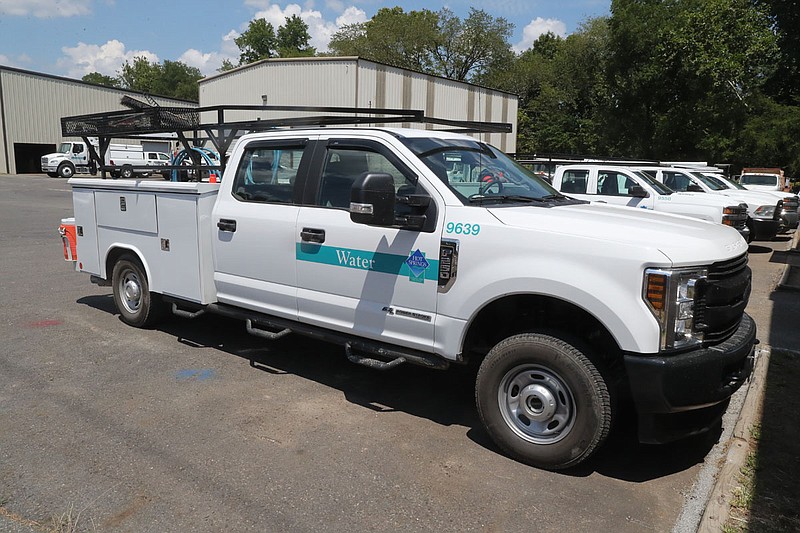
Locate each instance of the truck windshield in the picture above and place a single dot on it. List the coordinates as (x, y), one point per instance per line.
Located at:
(713, 183)
(65, 148)
(481, 174)
(759, 179)
(728, 183)
(657, 185)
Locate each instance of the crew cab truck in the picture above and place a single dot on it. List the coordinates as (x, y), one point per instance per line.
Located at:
(73, 158)
(763, 210)
(433, 248)
(626, 186)
(789, 210)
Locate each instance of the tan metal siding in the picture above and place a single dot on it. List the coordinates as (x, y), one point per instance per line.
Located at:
(349, 81)
(34, 105)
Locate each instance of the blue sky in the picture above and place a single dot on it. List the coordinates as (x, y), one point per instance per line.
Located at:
(74, 37)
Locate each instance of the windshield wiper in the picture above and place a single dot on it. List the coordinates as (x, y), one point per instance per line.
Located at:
(557, 196)
(504, 198)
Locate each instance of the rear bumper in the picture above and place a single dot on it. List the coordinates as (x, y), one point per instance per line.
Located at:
(687, 393)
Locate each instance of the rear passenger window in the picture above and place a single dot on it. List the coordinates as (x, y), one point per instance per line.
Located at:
(676, 181)
(574, 181)
(267, 174)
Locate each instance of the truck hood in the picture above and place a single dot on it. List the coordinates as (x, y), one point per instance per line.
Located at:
(700, 198)
(683, 240)
(753, 199)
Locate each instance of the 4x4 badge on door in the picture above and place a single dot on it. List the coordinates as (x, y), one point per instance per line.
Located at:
(417, 264)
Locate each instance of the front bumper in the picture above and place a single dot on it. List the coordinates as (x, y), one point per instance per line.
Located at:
(764, 229)
(687, 393)
(789, 220)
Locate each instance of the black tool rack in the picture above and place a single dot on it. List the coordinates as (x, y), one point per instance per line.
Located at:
(186, 125)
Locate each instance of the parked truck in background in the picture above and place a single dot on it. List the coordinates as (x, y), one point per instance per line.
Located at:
(767, 179)
(626, 186)
(73, 158)
(763, 210)
(429, 247)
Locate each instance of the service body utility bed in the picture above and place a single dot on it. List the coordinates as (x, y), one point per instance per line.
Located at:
(431, 247)
(169, 223)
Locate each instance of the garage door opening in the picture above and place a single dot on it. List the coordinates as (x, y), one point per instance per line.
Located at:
(28, 157)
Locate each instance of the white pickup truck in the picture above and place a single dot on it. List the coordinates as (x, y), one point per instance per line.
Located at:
(427, 247)
(626, 186)
(763, 209)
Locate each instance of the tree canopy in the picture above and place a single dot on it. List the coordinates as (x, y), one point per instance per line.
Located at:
(260, 41)
(437, 43)
(170, 78)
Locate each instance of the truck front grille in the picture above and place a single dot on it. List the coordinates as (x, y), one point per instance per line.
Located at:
(722, 299)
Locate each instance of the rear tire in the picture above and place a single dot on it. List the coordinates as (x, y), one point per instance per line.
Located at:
(542, 401)
(137, 306)
(126, 172)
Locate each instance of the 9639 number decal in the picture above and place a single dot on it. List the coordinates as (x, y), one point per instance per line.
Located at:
(460, 228)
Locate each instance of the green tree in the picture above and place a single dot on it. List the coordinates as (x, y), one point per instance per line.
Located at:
(784, 84)
(226, 66)
(172, 78)
(293, 39)
(432, 42)
(101, 79)
(392, 36)
(257, 42)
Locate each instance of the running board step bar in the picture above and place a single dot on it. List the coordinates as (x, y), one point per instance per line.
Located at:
(395, 357)
(264, 334)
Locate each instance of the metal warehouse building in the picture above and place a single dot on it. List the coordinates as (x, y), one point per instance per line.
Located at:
(31, 107)
(356, 82)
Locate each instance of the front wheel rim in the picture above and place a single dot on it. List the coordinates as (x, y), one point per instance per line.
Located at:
(130, 291)
(537, 404)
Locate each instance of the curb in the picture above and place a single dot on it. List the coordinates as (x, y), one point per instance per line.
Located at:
(718, 507)
(783, 284)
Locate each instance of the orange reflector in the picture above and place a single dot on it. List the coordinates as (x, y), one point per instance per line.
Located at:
(656, 290)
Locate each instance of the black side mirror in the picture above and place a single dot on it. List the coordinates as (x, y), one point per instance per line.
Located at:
(372, 199)
(637, 191)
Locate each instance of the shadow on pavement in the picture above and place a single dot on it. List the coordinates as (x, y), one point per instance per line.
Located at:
(443, 397)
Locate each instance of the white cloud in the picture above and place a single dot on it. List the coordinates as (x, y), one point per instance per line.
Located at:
(45, 8)
(209, 62)
(106, 59)
(538, 27)
(319, 29)
(18, 61)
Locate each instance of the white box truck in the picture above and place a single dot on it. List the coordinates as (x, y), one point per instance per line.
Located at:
(73, 158)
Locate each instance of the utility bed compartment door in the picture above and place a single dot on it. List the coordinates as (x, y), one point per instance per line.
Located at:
(132, 211)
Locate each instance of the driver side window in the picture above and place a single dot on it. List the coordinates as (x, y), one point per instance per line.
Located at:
(344, 165)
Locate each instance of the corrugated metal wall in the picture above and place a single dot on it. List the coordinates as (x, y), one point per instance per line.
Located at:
(33, 104)
(361, 83)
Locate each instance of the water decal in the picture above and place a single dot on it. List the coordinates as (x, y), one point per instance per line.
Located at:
(414, 265)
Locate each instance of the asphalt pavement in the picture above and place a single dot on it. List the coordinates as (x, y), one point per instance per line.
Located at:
(196, 426)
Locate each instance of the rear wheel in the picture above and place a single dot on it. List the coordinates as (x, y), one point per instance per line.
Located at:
(137, 306)
(126, 172)
(543, 401)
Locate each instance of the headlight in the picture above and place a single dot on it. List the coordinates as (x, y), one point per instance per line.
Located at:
(765, 211)
(672, 295)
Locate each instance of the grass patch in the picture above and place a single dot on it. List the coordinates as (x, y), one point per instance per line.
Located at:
(766, 498)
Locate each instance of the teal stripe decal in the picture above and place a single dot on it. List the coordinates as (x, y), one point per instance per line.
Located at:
(364, 260)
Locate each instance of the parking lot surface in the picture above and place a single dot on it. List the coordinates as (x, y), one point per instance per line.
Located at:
(196, 426)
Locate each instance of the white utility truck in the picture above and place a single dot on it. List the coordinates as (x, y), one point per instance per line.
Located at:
(763, 210)
(626, 186)
(433, 248)
(73, 158)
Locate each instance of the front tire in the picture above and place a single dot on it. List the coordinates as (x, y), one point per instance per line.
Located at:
(66, 170)
(137, 306)
(542, 401)
(126, 172)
